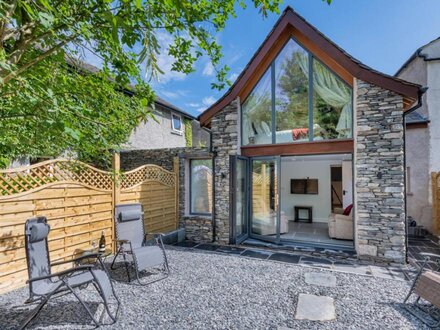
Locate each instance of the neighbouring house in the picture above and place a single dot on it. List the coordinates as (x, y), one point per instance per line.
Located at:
(422, 134)
(170, 128)
(307, 148)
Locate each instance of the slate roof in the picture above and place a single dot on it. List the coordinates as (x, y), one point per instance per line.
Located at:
(130, 89)
(416, 118)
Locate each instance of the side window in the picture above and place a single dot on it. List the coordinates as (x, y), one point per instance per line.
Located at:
(176, 123)
(200, 186)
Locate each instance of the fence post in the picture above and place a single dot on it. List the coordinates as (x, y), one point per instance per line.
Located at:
(176, 188)
(116, 168)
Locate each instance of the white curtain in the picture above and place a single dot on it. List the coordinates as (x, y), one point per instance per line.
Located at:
(332, 90)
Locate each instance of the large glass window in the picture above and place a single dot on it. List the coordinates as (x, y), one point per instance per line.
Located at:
(304, 98)
(292, 94)
(257, 113)
(200, 186)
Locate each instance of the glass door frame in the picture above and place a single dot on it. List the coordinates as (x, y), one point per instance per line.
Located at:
(277, 161)
(233, 238)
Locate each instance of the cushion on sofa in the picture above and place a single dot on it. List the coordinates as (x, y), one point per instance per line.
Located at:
(347, 210)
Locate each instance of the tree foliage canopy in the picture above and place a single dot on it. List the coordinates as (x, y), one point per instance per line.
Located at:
(47, 106)
(62, 108)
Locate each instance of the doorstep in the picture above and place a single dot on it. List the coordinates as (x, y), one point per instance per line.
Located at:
(341, 263)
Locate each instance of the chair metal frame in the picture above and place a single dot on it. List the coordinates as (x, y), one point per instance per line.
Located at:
(62, 278)
(416, 308)
(125, 248)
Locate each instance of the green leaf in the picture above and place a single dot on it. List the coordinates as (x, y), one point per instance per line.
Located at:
(46, 19)
(72, 132)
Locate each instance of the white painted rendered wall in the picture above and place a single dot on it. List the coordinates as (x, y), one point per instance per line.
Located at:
(315, 169)
(433, 102)
(156, 134)
(423, 144)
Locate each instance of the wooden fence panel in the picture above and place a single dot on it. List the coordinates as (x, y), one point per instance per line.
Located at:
(155, 188)
(435, 181)
(78, 201)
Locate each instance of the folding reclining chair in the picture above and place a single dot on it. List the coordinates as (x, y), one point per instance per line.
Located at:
(426, 286)
(44, 285)
(137, 251)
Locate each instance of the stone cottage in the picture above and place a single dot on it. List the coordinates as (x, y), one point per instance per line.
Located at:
(307, 149)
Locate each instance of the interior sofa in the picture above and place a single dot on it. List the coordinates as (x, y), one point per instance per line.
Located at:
(267, 227)
(340, 226)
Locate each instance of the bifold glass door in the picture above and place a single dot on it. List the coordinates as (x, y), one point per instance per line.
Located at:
(239, 207)
(254, 198)
(264, 200)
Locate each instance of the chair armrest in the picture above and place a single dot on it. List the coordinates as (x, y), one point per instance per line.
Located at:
(122, 241)
(156, 235)
(61, 273)
(340, 217)
(430, 255)
(85, 256)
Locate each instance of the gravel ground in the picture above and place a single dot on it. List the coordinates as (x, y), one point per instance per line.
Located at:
(211, 291)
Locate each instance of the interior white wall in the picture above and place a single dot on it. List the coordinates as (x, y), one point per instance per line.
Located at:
(301, 169)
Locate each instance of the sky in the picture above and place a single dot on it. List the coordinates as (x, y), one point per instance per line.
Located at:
(383, 34)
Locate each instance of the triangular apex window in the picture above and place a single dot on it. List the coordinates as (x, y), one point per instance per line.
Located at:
(297, 99)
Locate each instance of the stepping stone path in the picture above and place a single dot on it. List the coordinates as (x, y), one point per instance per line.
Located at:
(315, 308)
(320, 279)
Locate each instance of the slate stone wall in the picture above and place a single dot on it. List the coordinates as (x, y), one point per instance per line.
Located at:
(224, 131)
(379, 185)
(197, 228)
(132, 159)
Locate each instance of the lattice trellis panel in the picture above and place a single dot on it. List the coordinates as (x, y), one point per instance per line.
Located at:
(30, 178)
(148, 173)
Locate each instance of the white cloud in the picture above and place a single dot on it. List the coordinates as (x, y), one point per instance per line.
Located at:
(193, 105)
(206, 103)
(208, 100)
(233, 77)
(169, 94)
(165, 61)
(234, 58)
(208, 70)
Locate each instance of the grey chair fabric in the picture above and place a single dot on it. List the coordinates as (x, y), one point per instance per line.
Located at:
(427, 292)
(43, 284)
(148, 256)
(38, 232)
(130, 235)
(131, 230)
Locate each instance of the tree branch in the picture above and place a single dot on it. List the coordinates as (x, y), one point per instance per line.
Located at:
(6, 19)
(36, 60)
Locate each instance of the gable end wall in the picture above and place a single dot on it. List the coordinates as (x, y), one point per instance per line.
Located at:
(379, 185)
(224, 132)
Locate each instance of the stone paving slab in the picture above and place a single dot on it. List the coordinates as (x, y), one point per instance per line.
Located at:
(320, 279)
(315, 308)
(337, 263)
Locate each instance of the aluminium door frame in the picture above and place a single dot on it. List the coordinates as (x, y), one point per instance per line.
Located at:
(277, 160)
(233, 238)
